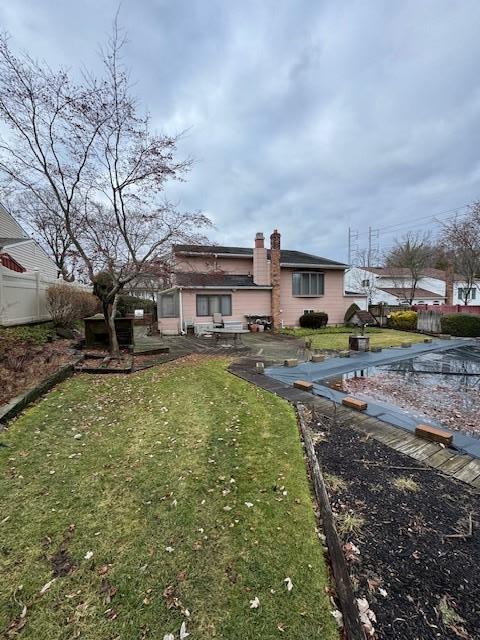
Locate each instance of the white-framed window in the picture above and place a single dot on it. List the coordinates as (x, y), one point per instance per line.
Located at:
(365, 283)
(467, 293)
(168, 305)
(308, 283)
(207, 305)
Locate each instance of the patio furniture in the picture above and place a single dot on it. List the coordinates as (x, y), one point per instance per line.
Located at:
(234, 334)
(217, 320)
(201, 328)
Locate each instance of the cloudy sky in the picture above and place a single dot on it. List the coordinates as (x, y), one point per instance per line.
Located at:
(309, 116)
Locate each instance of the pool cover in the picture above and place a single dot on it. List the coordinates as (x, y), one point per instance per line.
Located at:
(317, 372)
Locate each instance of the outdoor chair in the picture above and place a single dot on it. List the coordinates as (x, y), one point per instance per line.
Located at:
(217, 320)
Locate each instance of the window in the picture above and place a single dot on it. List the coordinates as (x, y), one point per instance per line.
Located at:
(466, 293)
(208, 305)
(168, 305)
(307, 312)
(308, 283)
(365, 283)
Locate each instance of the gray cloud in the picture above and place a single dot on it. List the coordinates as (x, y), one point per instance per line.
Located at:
(301, 115)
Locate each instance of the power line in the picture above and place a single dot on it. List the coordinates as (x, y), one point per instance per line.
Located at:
(427, 218)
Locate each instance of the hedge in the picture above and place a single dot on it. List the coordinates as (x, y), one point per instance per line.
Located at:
(127, 304)
(315, 320)
(461, 324)
(403, 320)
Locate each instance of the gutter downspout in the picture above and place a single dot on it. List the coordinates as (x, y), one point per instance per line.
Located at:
(180, 309)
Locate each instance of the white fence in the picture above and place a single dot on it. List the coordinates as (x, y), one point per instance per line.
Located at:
(23, 297)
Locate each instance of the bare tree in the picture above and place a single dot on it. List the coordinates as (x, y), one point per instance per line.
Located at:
(45, 221)
(412, 255)
(362, 279)
(461, 237)
(91, 161)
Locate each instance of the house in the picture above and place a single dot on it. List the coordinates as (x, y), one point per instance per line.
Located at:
(19, 252)
(393, 286)
(240, 284)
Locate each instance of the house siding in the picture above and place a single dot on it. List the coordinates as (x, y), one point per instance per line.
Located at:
(333, 302)
(32, 257)
(9, 228)
(243, 302)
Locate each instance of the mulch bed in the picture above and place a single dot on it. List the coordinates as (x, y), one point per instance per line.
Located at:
(418, 583)
(23, 365)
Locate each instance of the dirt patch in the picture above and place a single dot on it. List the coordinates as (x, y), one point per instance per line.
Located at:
(394, 523)
(454, 407)
(61, 561)
(23, 365)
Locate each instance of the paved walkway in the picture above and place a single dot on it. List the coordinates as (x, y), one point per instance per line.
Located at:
(460, 466)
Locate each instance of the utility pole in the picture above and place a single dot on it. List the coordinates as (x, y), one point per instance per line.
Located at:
(372, 233)
(352, 243)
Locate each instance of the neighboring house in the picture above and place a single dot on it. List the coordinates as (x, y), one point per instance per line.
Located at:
(242, 284)
(393, 286)
(19, 252)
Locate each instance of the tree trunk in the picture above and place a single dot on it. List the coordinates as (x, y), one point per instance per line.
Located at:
(109, 311)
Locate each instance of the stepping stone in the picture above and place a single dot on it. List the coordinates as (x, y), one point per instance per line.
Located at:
(427, 432)
(375, 349)
(260, 367)
(406, 345)
(317, 357)
(428, 340)
(444, 336)
(344, 354)
(304, 385)
(354, 403)
(290, 362)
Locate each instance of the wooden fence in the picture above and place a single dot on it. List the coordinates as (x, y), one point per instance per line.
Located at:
(429, 321)
(448, 308)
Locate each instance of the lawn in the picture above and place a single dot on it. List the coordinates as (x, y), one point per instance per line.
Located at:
(337, 337)
(130, 505)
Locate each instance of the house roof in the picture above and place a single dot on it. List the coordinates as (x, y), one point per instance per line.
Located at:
(401, 292)
(365, 316)
(214, 279)
(5, 242)
(392, 272)
(286, 256)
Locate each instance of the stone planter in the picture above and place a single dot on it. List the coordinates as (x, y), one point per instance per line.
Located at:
(359, 343)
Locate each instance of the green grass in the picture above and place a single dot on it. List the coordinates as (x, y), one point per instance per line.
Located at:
(167, 458)
(33, 333)
(337, 337)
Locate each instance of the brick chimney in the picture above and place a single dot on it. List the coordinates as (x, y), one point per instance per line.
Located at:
(275, 279)
(449, 278)
(261, 275)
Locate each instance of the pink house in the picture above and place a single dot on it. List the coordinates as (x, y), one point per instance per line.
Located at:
(275, 286)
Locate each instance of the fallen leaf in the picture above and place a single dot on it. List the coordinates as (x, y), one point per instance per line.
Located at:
(46, 586)
(249, 504)
(88, 555)
(366, 616)
(255, 603)
(338, 617)
(288, 584)
(183, 631)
